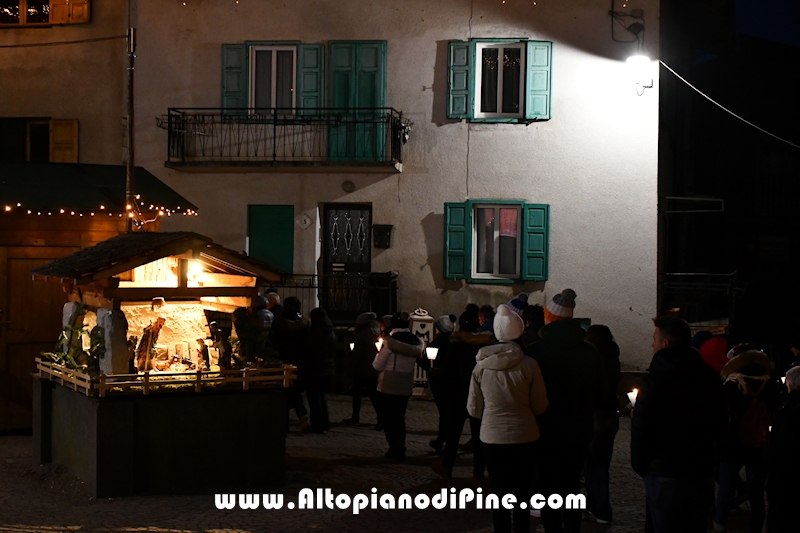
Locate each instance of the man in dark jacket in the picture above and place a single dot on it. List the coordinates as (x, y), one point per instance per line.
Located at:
(572, 369)
(319, 368)
(289, 335)
(363, 378)
(679, 415)
(783, 488)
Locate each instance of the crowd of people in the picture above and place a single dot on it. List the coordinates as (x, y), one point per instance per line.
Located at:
(540, 394)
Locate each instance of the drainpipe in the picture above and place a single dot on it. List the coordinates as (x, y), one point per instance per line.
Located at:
(131, 168)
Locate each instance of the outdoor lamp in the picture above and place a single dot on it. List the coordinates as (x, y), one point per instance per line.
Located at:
(432, 353)
(639, 66)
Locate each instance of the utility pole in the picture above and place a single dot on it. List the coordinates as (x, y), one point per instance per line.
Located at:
(130, 198)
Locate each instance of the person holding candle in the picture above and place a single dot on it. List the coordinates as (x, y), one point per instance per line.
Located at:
(395, 362)
(680, 415)
(363, 378)
(783, 471)
(465, 342)
(506, 392)
(436, 367)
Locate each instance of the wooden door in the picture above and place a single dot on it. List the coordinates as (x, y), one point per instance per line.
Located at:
(29, 324)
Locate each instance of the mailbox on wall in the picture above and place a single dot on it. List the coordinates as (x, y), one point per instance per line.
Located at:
(382, 235)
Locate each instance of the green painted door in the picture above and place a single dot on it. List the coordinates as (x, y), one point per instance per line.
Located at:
(358, 82)
(270, 235)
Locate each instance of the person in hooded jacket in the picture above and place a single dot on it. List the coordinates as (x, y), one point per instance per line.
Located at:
(395, 362)
(363, 378)
(747, 376)
(455, 382)
(507, 392)
(679, 416)
(319, 368)
(783, 489)
(289, 336)
(573, 371)
(606, 425)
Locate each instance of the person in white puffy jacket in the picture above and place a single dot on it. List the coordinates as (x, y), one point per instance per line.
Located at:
(395, 362)
(507, 392)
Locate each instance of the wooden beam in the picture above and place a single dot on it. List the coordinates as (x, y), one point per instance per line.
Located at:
(242, 263)
(164, 251)
(172, 293)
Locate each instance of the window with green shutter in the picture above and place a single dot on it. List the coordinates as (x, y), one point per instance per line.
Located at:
(272, 74)
(496, 241)
(500, 80)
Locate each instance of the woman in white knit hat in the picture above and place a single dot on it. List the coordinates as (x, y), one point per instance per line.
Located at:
(506, 393)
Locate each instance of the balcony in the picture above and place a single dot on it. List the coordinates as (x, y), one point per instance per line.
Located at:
(285, 140)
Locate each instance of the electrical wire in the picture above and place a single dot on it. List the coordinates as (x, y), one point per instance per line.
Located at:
(59, 43)
(701, 93)
(466, 184)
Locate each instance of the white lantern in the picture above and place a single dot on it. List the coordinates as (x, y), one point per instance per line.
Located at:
(379, 344)
(421, 325)
(432, 352)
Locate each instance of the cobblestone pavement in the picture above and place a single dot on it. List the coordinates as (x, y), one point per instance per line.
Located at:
(346, 459)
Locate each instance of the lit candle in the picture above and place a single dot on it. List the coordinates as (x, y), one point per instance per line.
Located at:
(783, 380)
(432, 353)
(379, 344)
(352, 345)
(632, 396)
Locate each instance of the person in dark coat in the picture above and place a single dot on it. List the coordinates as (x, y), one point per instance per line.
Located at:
(465, 342)
(747, 377)
(783, 472)
(437, 374)
(319, 368)
(289, 336)
(573, 371)
(533, 317)
(680, 414)
(363, 378)
(606, 425)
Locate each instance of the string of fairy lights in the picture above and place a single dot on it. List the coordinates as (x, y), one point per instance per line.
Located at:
(133, 211)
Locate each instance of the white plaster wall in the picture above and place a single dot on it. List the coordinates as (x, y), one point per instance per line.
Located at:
(595, 162)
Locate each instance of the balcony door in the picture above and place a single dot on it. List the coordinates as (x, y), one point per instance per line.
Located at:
(346, 259)
(358, 82)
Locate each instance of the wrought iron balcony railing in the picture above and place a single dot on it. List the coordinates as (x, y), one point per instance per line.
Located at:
(214, 139)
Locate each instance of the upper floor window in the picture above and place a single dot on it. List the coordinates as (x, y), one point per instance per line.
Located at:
(499, 80)
(273, 71)
(16, 13)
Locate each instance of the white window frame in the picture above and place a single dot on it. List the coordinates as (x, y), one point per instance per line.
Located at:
(274, 92)
(479, 47)
(496, 259)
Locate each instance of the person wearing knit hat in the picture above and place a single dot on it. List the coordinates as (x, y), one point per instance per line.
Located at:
(446, 323)
(507, 393)
(508, 325)
(519, 303)
(560, 306)
(576, 386)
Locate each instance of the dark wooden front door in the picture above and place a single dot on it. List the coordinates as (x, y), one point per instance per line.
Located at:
(346, 259)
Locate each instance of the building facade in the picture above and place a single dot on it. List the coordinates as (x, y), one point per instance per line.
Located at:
(505, 143)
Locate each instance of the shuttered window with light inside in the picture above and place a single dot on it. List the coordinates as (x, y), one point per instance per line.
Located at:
(496, 241)
(500, 80)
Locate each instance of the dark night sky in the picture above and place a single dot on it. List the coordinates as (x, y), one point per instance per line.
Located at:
(772, 20)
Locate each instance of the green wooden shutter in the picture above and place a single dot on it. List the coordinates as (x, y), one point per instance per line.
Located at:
(310, 76)
(535, 241)
(357, 71)
(457, 240)
(538, 81)
(270, 235)
(234, 76)
(459, 95)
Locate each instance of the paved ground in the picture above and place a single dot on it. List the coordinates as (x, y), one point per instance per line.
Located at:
(346, 459)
